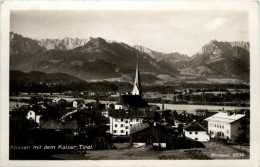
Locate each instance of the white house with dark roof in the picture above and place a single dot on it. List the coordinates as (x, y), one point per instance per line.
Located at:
(35, 116)
(196, 132)
(76, 103)
(224, 125)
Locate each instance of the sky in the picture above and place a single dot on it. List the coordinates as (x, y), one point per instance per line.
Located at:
(165, 31)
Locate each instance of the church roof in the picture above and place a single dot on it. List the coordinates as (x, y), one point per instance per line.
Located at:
(137, 89)
(137, 77)
(135, 101)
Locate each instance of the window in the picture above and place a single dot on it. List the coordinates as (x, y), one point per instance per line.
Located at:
(196, 138)
(126, 127)
(130, 125)
(190, 133)
(114, 131)
(122, 131)
(122, 125)
(137, 120)
(115, 125)
(131, 120)
(126, 121)
(122, 120)
(196, 133)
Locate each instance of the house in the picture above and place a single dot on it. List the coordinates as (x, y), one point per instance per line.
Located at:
(77, 103)
(32, 116)
(105, 113)
(33, 112)
(121, 121)
(109, 106)
(88, 106)
(224, 125)
(59, 101)
(196, 132)
(58, 131)
(161, 137)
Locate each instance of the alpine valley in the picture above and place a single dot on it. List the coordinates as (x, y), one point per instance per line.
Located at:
(97, 59)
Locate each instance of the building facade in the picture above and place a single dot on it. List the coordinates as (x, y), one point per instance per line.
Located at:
(224, 125)
(121, 126)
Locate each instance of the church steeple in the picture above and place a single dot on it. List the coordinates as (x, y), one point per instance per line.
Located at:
(137, 90)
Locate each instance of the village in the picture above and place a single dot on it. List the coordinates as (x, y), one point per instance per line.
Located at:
(127, 128)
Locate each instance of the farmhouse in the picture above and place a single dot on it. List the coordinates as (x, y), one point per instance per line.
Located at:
(196, 132)
(161, 137)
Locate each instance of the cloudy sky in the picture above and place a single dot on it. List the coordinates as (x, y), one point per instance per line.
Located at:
(166, 31)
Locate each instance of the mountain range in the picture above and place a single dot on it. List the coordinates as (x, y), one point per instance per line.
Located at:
(94, 59)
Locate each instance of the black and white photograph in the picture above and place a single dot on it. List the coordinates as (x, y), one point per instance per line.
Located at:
(130, 83)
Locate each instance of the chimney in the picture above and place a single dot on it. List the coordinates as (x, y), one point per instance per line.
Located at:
(228, 113)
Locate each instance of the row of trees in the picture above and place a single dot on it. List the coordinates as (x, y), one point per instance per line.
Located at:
(82, 86)
(206, 98)
(106, 86)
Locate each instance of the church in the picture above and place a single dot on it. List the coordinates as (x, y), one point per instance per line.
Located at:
(133, 101)
(131, 110)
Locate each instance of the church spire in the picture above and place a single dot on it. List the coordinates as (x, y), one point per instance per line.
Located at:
(137, 90)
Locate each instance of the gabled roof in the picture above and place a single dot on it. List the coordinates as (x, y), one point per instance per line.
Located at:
(135, 101)
(225, 117)
(194, 126)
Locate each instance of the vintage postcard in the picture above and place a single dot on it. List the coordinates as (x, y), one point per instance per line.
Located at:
(116, 83)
